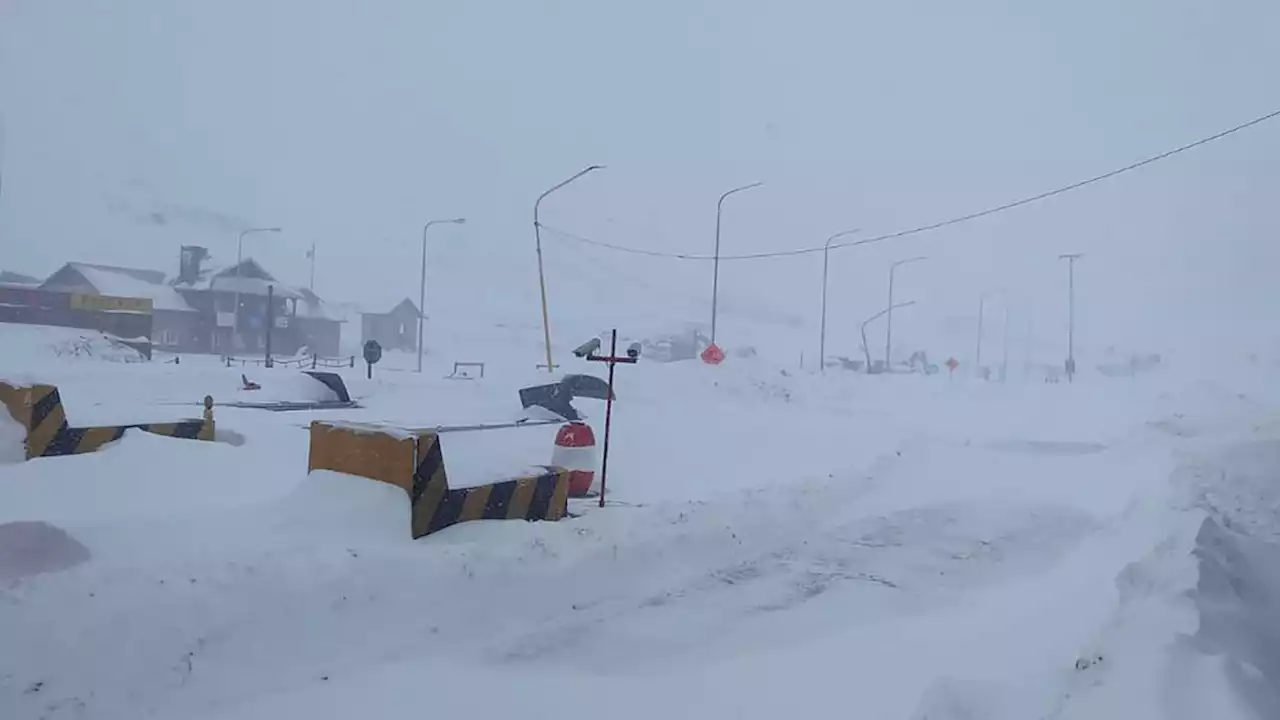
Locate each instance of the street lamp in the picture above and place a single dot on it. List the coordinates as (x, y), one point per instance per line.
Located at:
(977, 360)
(715, 277)
(865, 349)
(422, 285)
(542, 278)
(822, 338)
(235, 330)
(888, 331)
(1071, 312)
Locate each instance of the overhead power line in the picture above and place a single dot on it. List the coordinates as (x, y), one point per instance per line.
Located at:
(932, 226)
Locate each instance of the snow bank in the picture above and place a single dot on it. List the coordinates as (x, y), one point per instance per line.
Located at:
(139, 477)
(1238, 600)
(31, 346)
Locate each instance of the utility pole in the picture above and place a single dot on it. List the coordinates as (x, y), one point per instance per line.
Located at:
(822, 341)
(1071, 312)
(1026, 359)
(235, 322)
(715, 265)
(1004, 360)
(977, 359)
(422, 284)
(888, 328)
(866, 351)
(311, 284)
(542, 278)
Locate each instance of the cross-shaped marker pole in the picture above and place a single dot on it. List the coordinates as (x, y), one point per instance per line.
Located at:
(633, 354)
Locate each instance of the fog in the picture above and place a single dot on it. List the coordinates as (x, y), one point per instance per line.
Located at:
(133, 127)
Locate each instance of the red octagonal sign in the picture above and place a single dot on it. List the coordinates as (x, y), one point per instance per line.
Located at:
(713, 355)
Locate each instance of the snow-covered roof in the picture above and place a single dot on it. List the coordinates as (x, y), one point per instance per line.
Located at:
(133, 283)
(8, 277)
(251, 280)
(311, 306)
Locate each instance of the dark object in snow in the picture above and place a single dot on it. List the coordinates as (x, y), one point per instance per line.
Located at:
(554, 397)
(29, 548)
(558, 397)
(587, 386)
(334, 382)
(247, 384)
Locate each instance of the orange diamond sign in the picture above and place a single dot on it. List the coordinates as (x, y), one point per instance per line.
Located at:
(713, 355)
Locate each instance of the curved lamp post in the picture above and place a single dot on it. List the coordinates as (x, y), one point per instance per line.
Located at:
(888, 330)
(715, 272)
(542, 279)
(422, 284)
(822, 337)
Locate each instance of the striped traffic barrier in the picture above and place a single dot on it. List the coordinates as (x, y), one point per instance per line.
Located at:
(413, 461)
(39, 409)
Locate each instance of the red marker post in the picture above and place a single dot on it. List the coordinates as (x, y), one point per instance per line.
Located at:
(633, 354)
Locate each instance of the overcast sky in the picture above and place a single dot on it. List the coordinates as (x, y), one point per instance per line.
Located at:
(351, 123)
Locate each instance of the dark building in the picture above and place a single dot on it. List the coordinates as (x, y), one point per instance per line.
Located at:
(298, 317)
(112, 289)
(317, 325)
(193, 313)
(394, 330)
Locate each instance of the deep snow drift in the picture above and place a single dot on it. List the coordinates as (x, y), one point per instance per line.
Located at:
(777, 543)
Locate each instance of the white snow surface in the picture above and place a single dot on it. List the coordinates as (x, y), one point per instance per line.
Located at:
(27, 350)
(776, 544)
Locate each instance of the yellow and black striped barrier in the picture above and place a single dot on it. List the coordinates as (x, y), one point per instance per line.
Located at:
(39, 409)
(413, 461)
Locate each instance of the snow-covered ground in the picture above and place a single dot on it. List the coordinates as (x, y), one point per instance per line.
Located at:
(776, 544)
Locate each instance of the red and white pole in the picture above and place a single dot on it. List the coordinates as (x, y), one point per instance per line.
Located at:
(575, 451)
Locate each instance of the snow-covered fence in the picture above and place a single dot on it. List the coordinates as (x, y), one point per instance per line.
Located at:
(304, 361)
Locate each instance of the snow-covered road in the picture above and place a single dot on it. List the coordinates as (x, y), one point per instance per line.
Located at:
(875, 547)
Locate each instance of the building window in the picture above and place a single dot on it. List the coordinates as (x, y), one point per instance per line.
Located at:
(168, 337)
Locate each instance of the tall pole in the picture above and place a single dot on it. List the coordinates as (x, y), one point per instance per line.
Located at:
(865, 349)
(311, 285)
(822, 340)
(542, 278)
(1026, 360)
(422, 283)
(715, 271)
(235, 319)
(1071, 312)
(888, 330)
(977, 360)
(1004, 360)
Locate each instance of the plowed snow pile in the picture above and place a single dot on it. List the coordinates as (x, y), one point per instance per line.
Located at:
(30, 346)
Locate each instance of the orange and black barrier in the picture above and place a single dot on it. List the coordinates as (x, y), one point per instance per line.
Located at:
(39, 409)
(413, 461)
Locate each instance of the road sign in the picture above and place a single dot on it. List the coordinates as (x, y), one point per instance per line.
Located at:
(952, 364)
(713, 355)
(372, 354)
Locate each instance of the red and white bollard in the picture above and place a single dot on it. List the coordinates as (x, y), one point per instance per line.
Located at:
(576, 452)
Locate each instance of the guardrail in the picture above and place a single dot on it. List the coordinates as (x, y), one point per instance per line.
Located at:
(313, 361)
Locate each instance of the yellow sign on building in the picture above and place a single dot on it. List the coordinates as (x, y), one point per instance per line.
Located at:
(109, 303)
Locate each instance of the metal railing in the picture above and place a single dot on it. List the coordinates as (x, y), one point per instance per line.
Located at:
(311, 361)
